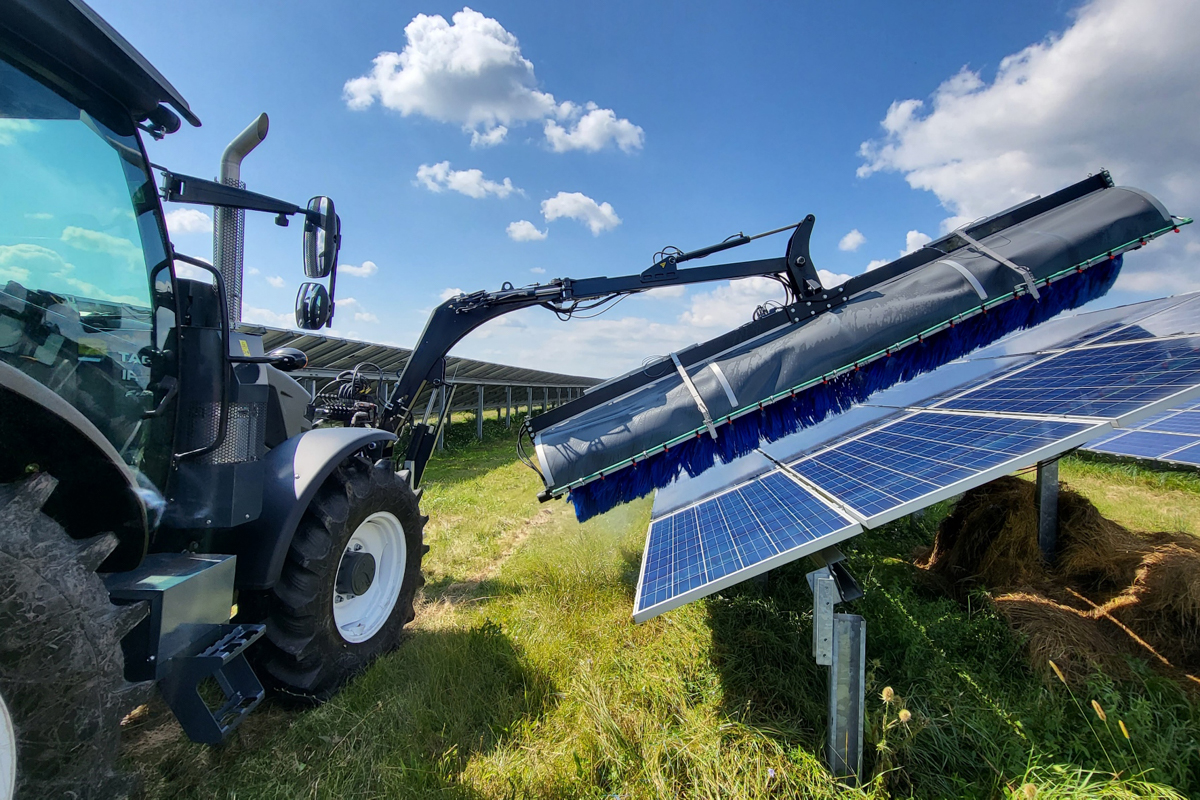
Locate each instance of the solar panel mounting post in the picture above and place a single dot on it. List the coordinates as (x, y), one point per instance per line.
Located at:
(839, 642)
(1047, 505)
(479, 414)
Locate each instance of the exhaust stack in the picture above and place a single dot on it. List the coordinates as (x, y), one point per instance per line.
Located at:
(229, 225)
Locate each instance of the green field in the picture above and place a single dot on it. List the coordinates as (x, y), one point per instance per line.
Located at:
(524, 675)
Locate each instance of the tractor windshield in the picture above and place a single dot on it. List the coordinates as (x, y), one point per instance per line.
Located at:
(81, 243)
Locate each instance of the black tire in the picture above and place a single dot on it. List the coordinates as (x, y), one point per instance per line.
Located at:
(303, 655)
(61, 666)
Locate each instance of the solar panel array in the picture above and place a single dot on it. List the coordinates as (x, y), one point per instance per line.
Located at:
(1172, 437)
(329, 355)
(1032, 406)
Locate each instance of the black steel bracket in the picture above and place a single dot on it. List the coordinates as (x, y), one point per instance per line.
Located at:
(801, 272)
(198, 191)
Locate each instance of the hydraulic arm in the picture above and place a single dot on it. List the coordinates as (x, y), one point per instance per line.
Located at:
(460, 315)
(807, 300)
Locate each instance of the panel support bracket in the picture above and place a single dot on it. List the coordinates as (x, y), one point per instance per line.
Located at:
(839, 642)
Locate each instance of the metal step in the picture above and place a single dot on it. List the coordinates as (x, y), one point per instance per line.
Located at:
(225, 661)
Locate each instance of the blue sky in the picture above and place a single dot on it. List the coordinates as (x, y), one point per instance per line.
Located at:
(690, 121)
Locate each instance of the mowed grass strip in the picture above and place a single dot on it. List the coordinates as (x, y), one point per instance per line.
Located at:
(524, 676)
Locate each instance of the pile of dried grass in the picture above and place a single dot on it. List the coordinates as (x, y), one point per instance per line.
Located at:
(1110, 592)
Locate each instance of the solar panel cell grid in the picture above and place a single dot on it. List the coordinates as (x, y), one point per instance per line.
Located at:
(729, 534)
(923, 453)
(1145, 444)
(1097, 382)
(1182, 422)
(756, 530)
(1188, 455)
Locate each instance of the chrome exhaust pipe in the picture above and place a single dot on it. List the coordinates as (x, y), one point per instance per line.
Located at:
(229, 225)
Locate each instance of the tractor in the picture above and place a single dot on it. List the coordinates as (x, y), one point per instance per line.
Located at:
(158, 470)
(176, 512)
(153, 460)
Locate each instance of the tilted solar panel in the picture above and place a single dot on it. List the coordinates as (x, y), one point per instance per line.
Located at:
(919, 459)
(1109, 380)
(736, 535)
(1172, 437)
(1012, 408)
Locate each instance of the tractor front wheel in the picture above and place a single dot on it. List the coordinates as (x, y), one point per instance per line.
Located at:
(62, 685)
(348, 584)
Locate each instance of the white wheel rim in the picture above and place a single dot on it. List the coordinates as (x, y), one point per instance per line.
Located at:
(8, 754)
(359, 618)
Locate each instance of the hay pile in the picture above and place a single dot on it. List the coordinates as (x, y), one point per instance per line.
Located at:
(1110, 592)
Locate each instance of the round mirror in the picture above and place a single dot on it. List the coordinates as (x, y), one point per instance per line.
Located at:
(313, 306)
(322, 238)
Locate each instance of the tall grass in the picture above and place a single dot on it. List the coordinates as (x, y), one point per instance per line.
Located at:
(524, 676)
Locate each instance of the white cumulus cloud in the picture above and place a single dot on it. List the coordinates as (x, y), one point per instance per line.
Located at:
(367, 269)
(276, 281)
(914, 241)
(1119, 88)
(265, 316)
(470, 72)
(365, 316)
(598, 217)
(489, 138)
(731, 305)
(852, 241)
(525, 231)
(439, 177)
(537, 270)
(593, 131)
(189, 220)
(831, 279)
(448, 293)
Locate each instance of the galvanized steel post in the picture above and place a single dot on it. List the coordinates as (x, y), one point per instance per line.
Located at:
(479, 415)
(1047, 505)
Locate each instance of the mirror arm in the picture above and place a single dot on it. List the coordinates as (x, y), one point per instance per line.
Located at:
(332, 286)
(198, 191)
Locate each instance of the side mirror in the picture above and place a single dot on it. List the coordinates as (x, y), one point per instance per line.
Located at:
(313, 306)
(322, 238)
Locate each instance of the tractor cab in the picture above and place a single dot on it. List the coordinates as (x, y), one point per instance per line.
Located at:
(87, 300)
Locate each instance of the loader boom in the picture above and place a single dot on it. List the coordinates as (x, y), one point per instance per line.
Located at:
(458, 316)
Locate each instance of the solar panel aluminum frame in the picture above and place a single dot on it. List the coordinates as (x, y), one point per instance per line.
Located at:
(850, 530)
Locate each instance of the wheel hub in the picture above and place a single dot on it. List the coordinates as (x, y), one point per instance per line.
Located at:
(356, 573)
(369, 577)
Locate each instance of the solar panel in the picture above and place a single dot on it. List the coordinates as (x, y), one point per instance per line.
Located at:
(736, 535)
(1172, 437)
(1015, 404)
(919, 459)
(1108, 381)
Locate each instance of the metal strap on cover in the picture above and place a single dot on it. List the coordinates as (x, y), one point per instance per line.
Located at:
(729, 395)
(990, 253)
(687, 381)
(966, 273)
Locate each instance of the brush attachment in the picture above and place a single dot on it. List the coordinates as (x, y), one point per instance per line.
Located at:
(806, 407)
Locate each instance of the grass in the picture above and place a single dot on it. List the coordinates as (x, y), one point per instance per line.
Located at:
(524, 676)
